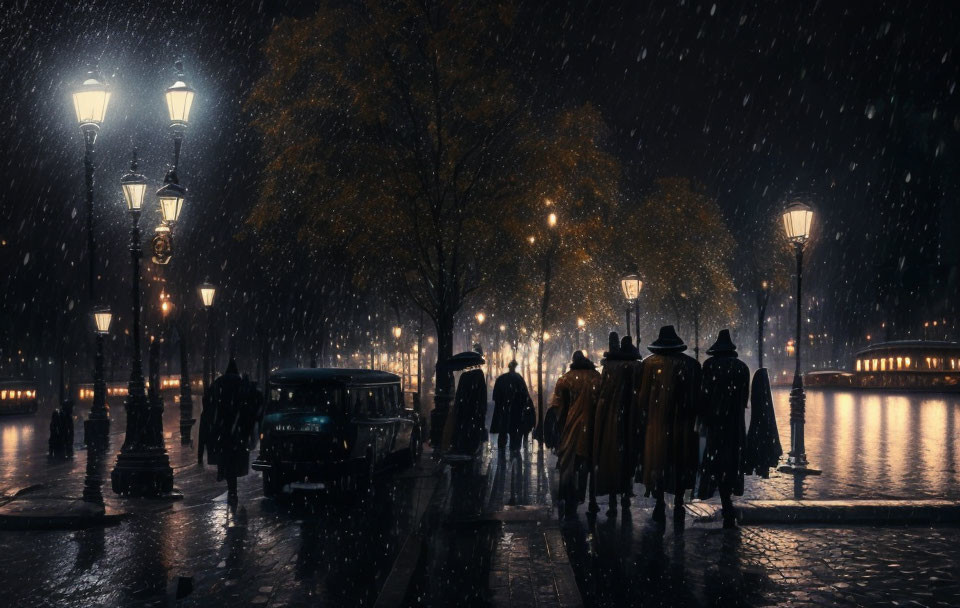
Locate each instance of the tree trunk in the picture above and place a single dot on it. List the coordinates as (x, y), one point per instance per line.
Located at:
(443, 388)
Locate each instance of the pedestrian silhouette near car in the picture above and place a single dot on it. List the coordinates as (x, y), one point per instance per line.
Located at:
(60, 444)
(465, 428)
(233, 403)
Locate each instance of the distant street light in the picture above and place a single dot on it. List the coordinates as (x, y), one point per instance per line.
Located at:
(90, 101)
(397, 332)
(552, 220)
(581, 323)
(143, 467)
(631, 284)
(207, 294)
(797, 220)
(481, 318)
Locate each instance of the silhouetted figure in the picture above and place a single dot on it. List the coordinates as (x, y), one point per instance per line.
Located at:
(575, 396)
(763, 449)
(61, 431)
(725, 388)
(233, 405)
(616, 430)
(511, 401)
(465, 428)
(669, 396)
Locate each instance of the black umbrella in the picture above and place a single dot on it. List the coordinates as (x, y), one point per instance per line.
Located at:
(462, 361)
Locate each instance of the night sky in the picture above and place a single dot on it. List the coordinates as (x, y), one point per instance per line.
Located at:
(854, 105)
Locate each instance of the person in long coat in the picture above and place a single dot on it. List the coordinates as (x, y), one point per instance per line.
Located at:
(669, 396)
(205, 434)
(725, 388)
(616, 428)
(465, 428)
(233, 405)
(763, 441)
(510, 399)
(575, 396)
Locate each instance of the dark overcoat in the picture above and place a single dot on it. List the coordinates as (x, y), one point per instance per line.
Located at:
(575, 397)
(763, 440)
(233, 407)
(510, 398)
(725, 388)
(669, 396)
(616, 429)
(465, 428)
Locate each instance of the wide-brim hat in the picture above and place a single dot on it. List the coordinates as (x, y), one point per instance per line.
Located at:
(667, 342)
(724, 345)
(462, 361)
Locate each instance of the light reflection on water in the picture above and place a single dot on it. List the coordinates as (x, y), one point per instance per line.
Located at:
(896, 445)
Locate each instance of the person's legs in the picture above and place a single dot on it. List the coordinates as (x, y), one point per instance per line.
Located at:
(502, 437)
(727, 509)
(231, 485)
(612, 506)
(659, 510)
(679, 513)
(516, 441)
(593, 507)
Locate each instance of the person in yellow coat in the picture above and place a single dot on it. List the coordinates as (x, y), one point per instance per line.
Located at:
(575, 396)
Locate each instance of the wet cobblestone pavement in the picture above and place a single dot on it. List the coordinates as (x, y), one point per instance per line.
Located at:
(489, 535)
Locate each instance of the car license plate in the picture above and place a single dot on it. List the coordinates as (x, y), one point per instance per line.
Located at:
(307, 485)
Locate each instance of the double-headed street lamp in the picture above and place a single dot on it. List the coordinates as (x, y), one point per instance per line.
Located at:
(797, 220)
(90, 103)
(143, 467)
(631, 284)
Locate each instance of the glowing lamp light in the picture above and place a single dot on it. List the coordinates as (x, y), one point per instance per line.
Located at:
(207, 294)
(90, 101)
(580, 322)
(552, 220)
(797, 219)
(134, 187)
(171, 197)
(397, 332)
(631, 286)
(179, 99)
(101, 320)
(481, 318)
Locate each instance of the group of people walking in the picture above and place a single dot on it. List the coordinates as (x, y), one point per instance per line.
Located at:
(641, 420)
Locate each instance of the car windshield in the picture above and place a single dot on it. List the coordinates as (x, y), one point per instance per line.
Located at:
(306, 398)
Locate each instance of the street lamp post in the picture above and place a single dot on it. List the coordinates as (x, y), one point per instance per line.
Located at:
(96, 428)
(763, 296)
(90, 103)
(797, 219)
(143, 467)
(207, 294)
(580, 325)
(631, 284)
(179, 97)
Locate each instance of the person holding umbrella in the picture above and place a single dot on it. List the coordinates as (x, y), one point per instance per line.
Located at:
(465, 428)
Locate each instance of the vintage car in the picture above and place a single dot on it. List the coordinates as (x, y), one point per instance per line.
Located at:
(333, 428)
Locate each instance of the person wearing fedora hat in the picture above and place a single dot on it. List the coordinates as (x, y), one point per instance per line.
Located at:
(616, 429)
(669, 394)
(575, 397)
(723, 401)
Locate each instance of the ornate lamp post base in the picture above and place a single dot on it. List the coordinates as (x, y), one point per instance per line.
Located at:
(186, 427)
(144, 473)
(796, 463)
